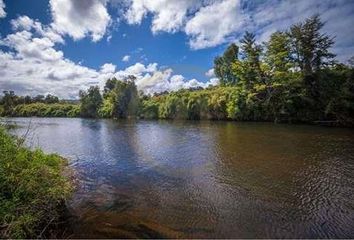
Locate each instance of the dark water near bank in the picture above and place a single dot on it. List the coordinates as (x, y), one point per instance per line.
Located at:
(204, 179)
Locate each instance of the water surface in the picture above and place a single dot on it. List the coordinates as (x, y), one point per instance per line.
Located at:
(204, 179)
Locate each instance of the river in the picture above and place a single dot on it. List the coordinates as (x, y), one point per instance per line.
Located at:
(187, 179)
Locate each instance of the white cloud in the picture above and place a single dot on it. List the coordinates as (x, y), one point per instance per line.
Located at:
(209, 23)
(210, 73)
(108, 68)
(79, 19)
(214, 24)
(33, 41)
(126, 58)
(33, 66)
(28, 24)
(138, 69)
(2, 9)
(150, 78)
(168, 15)
(23, 22)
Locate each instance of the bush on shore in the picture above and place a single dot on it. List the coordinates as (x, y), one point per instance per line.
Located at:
(46, 110)
(32, 189)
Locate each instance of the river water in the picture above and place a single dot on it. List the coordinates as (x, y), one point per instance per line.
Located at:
(203, 179)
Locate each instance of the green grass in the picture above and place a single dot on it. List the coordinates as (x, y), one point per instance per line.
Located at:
(32, 189)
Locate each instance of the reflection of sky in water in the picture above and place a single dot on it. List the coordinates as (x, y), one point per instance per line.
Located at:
(206, 179)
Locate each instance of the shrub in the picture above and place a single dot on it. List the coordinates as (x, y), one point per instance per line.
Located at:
(32, 188)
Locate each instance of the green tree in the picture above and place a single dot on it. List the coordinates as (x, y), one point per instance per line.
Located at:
(91, 101)
(310, 47)
(311, 52)
(110, 84)
(38, 98)
(278, 54)
(222, 65)
(248, 69)
(8, 102)
(51, 99)
(149, 109)
(124, 98)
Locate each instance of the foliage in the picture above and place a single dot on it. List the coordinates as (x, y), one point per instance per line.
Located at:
(39, 106)
(91, 102)
(44, 110)
(121, 98)
(149, 109)
(32, 187)
(222, 65)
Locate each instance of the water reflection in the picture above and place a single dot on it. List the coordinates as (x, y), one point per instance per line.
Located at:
(205, 179)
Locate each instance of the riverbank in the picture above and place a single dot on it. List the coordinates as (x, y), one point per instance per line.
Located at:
(33, 190)
(203, 179)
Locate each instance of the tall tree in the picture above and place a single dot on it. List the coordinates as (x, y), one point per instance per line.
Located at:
(91, 101)
(110, 84)
(38, 98)
(8, 101)
(120, 98)
(248, 69)
(51, 99)
(278, 54)
(311, 51)
(310, 47)
(222, 65)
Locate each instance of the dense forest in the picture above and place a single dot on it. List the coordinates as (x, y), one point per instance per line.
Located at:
(293, 77)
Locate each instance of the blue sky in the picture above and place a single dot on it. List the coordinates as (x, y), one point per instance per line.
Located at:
(61, 46)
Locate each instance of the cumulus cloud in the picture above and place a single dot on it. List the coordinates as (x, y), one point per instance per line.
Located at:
(28, 24)
(210, 73)
(214, 24)
(151, 78)
(2, 9)
(32, 65)
(168, 15)
(209, 23)
(126, 58)
(108, 68)
(79, 19)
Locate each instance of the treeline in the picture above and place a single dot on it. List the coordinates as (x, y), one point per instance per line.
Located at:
(291, 78)
(39, 106)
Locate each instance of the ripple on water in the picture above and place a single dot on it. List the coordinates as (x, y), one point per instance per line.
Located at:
(205, 179)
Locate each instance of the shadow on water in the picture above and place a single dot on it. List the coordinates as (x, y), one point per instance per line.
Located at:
(162, 179)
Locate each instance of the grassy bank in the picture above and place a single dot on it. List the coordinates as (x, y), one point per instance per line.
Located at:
(33, 189)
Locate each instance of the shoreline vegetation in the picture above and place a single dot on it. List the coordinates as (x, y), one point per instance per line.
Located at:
(33, 189)
(291, 78)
